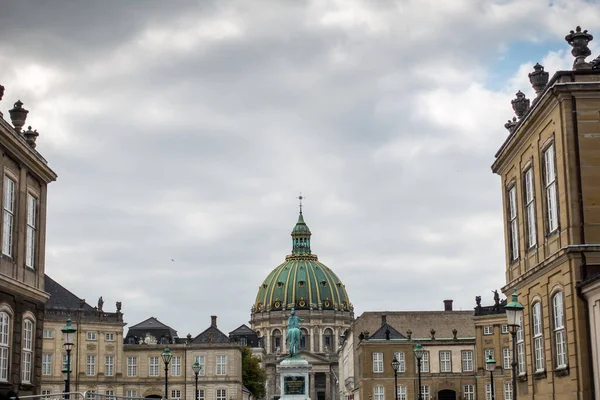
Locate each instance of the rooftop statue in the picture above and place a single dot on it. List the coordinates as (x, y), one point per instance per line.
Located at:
(294, 334)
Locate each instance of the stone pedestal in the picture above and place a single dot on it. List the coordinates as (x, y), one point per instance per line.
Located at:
(294, 382)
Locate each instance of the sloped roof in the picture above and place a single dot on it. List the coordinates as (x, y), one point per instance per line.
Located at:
(62, 298)
(211, 335)
(242, 330)
(152, 326)
(382, 333)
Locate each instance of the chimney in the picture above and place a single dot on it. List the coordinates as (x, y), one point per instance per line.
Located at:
(383, 319)
(213, 320)
(448, 305)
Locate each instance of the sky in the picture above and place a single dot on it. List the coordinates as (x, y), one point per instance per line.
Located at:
(182, 133)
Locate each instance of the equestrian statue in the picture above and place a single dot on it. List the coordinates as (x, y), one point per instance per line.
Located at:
(294, 334)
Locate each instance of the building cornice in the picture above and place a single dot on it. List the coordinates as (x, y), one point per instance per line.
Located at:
(31, 292)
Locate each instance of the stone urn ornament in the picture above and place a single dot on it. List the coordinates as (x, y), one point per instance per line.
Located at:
(579, 41)
(520, 105)
(538, 78)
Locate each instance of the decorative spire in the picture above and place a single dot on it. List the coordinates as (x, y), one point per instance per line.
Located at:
(579, 40)
(511, 125)
(18, 115)
(300, 199)
(520, 105)
(30, 137)
(538, 78)
(301, 235)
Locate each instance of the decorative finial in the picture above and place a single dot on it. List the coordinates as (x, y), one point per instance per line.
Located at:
(18, 115)
(432, 331)
(520, 105)
(300, 198)
(538, 79)
(454, 333)
(409, 334)
(579, 40)
(511, 125)
(31, 136)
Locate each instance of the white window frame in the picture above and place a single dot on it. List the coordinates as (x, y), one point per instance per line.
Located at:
(27, 353)
(507, 390)
(487, 353)
(558, 322)
(92, 335)
(551, 189)
(513, 223)
(425, 392)
(8, 220)
(175, 394)
(153, 366)
(31, 234)
(110, 394)
(506, 358)
(521, 349)
(488, 330)
(201, 361)
(221, 394)
(537, 336)
(425, 362)
(445, 361)
(132, 366)
(402, 392)
(129, 393)
(377, 362)
(109, 337)
(201, 394)
(529, 199)
(401, 361)
(221, 365)
(5, 330)
(378, 392)
(90, 395)
(90, 365)
(505, 328)
(109, 365)
(48, 334)
(467, 360)
(176, 366)
(46, 364)
(469, 392)
(488, 391)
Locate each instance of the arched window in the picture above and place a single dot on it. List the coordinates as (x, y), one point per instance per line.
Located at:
(276, 341)
(4, 344)
(305, 341)
(558, 325)
(27, 350)
(328, 339)
(538, 336)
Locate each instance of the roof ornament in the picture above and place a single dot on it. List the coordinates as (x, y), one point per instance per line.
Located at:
(579, 40)
(30, 138)
(511, 126)
(300, 198)
(18, 115)
(538, 78)
(520, 105)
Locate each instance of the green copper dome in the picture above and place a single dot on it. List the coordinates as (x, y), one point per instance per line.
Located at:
(302, 281)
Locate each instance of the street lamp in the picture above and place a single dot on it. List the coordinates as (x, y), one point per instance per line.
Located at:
(196, 368)
(68, 341)
(514, 316)
(490, 365)
(166, 356)
(65, 372)
(395, 366)
(418, 350)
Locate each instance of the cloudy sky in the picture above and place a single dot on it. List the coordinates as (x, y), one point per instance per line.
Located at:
(185, 130)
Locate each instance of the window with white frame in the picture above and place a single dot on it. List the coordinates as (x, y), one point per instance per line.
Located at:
(445, 361)
(131, 393)
(221, 365)
(46, 392)
(425, 392)
(513, 223)
(9, 216)
(109, 366)
(176, 366)
(110, 394)
(425, 362)
(92, 335)
(488, 330)
(467, 361)
(27, 351)
(507, 390)
(505, 328)
(378, 362)
(90, 365)
(538, 338)
(551, 191)
(530, 208)
(46, 364)
(31, 231)
(401, 361)
(109, 337)
(200, 360)
(489, 395)
(506, 358)
(560, 347)
(175, 394)
(469, 392)
(201, 394)
(48, 333)
(521, 349)
(4, 344)
(489, 353)
(131, 366)
(378, 393)
(153, 366)
(401, 392)
(90, 394)
(221, 394)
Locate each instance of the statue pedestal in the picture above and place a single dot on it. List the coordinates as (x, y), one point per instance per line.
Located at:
(293, 372)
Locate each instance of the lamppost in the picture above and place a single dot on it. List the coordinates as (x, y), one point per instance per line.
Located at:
(490, 365)
(395, 366)
(418, 350)
(514, 316)
(196, 368)
(166, 357)
(65, 372)
(68, 341)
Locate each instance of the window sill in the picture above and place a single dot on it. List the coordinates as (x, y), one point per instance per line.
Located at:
(522, 378)
(562, 371)
(539, 374)
(553, 233)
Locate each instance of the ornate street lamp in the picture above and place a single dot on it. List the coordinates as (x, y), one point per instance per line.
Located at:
(514, 316)
(395, 366)
(418, 350)
(490, 365)
(68, 341)
(166, 356)
(196, 368)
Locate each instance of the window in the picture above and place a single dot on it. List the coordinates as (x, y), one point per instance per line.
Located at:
(131, 367)
(378, 393)
(153, 366)
(46, 392)
(401, 392)
(445, 361)
(425, 362)
(46, 364)
(378, 362)
(467, 361)
(200, 360)
(90, 366)
(221, 394)
(175, 394)
(489, 353)
(425, 392)
(176, 366)
(4, 344)
(530, 208)
(276, 341)
(538, 339)
(505, 328)
(507, 390)
(109, 337)
(9, 216)
(27, 351)
(110, 395)
(221, 365)
(328, 339)
(488, 330)
(91, 335)
(513, 224)
(521, 349)
(560, 347)
(109, 369)
(506, 358)
(488, 391)
(200, 394)
(90, 395)
(551, 192)
(244, 341)
(48, 333)
(400, 358)
(469, 392)
(131, 393)
(31, 229)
